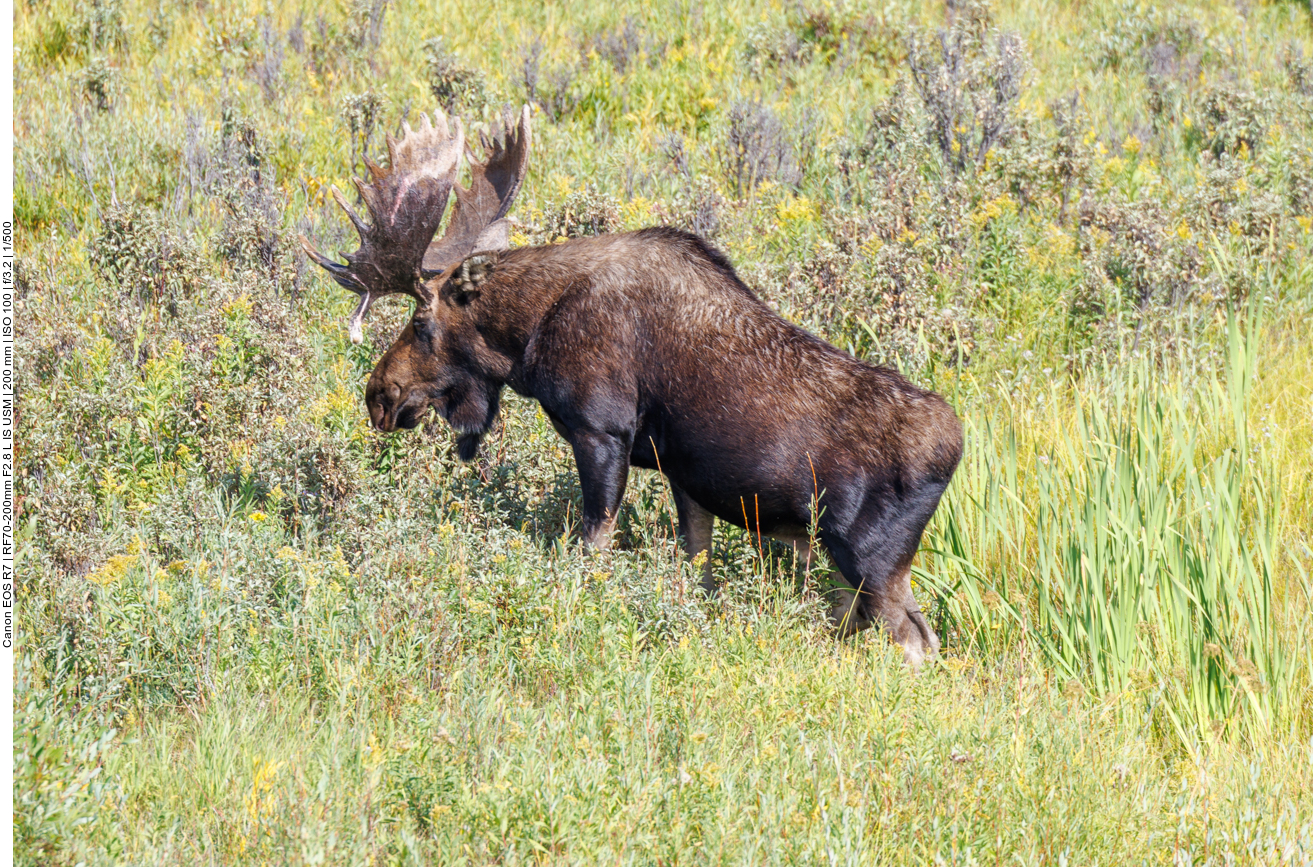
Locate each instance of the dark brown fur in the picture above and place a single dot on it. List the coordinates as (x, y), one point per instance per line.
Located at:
(645, 349)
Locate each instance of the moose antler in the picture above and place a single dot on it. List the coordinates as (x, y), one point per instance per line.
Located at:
(406, 203)
(477, 222)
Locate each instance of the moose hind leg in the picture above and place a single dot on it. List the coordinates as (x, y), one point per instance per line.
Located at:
(875, 557)
(695, 525)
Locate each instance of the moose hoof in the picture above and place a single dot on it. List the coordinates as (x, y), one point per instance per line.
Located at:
(908, 629)
(917, 639)
(915, 655)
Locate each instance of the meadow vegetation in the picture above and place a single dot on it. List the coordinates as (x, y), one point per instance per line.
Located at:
(252, 630)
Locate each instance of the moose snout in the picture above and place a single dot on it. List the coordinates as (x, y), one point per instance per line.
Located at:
(378, 416)
(382, 400)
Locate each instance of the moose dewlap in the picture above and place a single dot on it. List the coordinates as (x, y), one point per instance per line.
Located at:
(645, 349)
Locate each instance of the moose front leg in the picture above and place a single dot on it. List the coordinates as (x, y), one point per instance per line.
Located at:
(603, 462)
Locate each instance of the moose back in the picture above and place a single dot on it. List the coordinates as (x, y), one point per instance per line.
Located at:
(645, 349)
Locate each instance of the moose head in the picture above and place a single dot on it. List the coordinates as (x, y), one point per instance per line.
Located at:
(399, 254)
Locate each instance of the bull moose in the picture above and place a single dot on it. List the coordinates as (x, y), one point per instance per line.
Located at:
(645, 349)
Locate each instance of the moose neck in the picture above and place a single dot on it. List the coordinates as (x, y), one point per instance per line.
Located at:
(526, 283)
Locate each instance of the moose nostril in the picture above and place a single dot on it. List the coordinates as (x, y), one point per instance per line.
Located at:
(394, 392)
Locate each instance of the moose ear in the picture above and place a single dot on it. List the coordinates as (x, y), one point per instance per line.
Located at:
(468, 277)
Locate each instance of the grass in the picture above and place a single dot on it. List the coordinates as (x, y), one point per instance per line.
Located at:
(1153, 550)
(254, 631)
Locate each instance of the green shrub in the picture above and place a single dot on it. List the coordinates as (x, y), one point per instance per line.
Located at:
(456, 87)
(141, 256)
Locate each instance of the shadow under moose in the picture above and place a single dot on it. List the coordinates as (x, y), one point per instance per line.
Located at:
(645, 349)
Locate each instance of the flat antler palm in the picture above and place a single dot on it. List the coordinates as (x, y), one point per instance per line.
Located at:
(406, 203)
(477, 223)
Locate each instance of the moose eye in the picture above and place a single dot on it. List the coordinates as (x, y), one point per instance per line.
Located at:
(423, 329)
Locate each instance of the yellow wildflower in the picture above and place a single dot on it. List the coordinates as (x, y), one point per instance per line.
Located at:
(795, 209)
(112, 569)
(239, 307)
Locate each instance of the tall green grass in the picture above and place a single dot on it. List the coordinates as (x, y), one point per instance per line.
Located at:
(1130, 533)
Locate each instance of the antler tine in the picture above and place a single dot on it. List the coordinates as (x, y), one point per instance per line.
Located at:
(339, 272)
(392, 143)
(508, 160)
(362, 228)
(375, 170)
(355, 324)
(439, 122)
